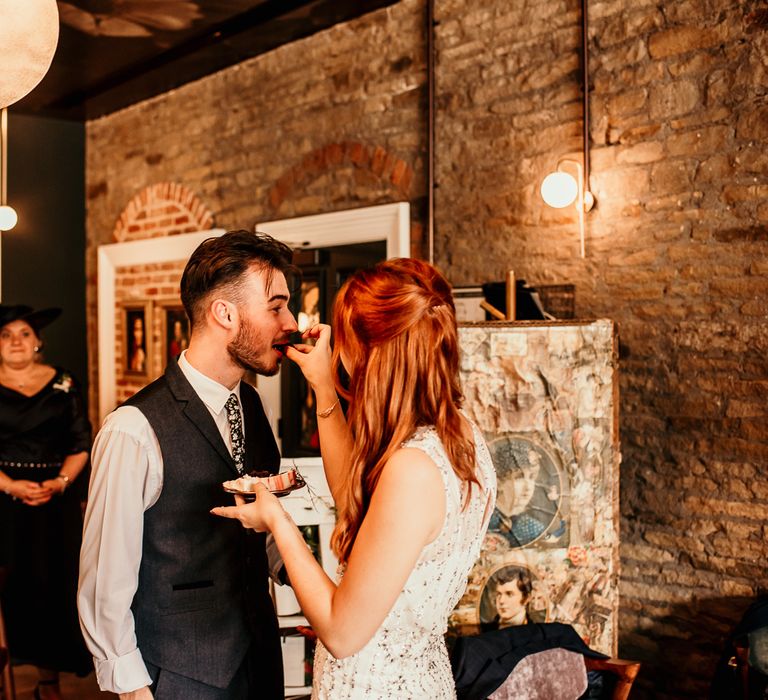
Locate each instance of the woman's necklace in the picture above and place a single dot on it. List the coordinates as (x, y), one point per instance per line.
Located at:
(14, 382)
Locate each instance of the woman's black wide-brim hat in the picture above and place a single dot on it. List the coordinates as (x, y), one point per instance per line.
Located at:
(22, 312)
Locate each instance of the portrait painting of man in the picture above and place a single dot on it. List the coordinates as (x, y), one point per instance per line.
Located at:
(507, 598)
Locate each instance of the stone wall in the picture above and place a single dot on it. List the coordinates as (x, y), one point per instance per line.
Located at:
(675, 246)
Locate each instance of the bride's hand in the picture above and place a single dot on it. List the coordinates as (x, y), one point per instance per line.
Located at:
(257, 515)
(314, 361)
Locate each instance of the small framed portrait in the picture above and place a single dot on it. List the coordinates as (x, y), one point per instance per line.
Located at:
(512, 595)
(530, 493)
(137, 339)
(174, 331)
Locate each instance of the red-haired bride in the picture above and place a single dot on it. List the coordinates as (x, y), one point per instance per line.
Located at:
(413, 483)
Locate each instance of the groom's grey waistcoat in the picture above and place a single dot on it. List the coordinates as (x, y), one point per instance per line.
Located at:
(203, 594)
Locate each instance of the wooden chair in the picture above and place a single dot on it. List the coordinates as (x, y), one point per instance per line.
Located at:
(626, 672)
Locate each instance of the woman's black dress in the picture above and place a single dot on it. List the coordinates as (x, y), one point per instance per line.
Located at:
(40, 545)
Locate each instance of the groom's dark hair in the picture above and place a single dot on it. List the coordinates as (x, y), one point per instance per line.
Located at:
(220, 264)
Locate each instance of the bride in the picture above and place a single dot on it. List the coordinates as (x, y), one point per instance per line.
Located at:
(413, 483)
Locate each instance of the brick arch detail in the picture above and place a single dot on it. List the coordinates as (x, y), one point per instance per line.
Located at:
(162, 209)
(374, 159)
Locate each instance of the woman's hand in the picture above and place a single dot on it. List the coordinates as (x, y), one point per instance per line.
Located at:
(57, 486)
(314, 361)
(30, 492)
(259, 515)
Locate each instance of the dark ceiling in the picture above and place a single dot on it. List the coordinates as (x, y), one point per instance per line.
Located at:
(114, 53)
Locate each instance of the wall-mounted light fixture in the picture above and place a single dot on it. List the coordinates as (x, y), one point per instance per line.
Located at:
(8, 216)
(562, 188)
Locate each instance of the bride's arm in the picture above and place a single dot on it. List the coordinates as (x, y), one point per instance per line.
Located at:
(407, 511)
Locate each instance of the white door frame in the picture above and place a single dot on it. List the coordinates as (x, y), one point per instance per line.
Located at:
(110, 257)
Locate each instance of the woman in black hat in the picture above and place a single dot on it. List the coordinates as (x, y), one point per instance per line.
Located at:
(44, 443)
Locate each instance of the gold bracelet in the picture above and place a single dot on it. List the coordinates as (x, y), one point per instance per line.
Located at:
(65, 479)
(327, 412)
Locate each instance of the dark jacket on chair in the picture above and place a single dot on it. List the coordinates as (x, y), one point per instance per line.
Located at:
(483, 662)
(202, 596)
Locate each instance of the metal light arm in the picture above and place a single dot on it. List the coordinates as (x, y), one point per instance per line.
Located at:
(585, 200)
(3, 156)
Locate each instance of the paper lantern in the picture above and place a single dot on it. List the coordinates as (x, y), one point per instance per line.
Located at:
(29, 32)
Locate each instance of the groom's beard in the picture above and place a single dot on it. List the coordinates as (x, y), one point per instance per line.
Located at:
(251, 351)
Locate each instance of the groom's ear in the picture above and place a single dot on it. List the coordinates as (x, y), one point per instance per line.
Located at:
(223, 313)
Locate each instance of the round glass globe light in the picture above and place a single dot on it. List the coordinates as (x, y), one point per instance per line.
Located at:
(559, 190)
(29, 32)
(8, 218)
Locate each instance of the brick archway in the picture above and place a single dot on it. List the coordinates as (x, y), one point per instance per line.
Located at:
(374, 159)
(163, 209)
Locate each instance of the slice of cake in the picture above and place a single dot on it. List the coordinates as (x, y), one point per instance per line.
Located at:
(273, 482)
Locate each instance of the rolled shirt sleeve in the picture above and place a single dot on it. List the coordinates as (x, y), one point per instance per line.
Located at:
(126, 480)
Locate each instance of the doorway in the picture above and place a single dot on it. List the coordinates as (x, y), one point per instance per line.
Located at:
(348, 232)
(323, 272)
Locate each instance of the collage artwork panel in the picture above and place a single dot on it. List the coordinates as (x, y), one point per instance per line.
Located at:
(545, 398)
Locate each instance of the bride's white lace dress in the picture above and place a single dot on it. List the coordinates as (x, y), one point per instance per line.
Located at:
(407, 658)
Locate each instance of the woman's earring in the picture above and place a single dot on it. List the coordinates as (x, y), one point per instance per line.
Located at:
(37, 348)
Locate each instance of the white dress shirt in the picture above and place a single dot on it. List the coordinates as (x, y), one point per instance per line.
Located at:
(126, 480)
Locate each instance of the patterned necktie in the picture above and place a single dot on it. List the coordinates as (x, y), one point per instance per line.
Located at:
(236, 432)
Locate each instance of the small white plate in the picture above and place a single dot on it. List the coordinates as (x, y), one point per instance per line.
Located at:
(300, 484)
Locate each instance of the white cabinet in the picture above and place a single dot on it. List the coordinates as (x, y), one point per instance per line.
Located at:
(312, 510)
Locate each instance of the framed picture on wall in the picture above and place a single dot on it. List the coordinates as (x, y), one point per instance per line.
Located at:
(137, 339)
(174, 330)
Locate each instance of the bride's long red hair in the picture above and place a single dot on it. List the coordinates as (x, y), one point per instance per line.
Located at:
(395, 325)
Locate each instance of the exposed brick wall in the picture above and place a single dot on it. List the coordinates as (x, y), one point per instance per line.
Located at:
(372, 164)
(675, 246)
(165, 209)
(331, 122)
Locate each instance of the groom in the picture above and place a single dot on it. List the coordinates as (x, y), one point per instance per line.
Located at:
(174, 602)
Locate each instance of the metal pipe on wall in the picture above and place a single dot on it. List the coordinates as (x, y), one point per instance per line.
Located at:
(585, 88)
(431, 129)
